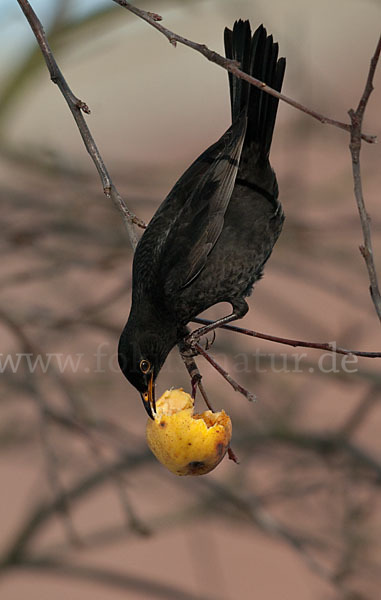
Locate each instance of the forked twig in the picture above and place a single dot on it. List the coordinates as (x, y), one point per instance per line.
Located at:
(77, 107)
(357, 116)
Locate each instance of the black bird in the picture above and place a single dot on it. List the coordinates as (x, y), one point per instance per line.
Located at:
(210, 238)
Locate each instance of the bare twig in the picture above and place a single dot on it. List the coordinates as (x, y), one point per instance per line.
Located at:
(327, 346)
(77, 107)
(232, 66)
(236, 386)
(355, 147)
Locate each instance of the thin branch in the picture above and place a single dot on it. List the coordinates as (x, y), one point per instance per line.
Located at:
(355, 147)
(77, 107)
(232, 66)
(327, 346)
(236, 386)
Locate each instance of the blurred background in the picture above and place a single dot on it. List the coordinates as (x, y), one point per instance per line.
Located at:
(85, 510)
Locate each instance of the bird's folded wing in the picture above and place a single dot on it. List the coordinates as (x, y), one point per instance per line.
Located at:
(200, 221)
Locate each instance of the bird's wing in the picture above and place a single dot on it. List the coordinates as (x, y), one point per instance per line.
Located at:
(206, 187)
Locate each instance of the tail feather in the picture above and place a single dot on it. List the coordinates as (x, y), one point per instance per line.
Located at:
(237, 47)
(258, 56)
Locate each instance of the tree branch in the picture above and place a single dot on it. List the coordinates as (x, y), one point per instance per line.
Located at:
(77, 107)
(236, 386)
(355, 147)
(327, 346)
(233, 67)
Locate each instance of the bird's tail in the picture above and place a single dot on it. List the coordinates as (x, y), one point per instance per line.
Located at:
(258, 56)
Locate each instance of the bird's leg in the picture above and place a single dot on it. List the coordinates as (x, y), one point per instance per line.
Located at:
(195, 382)
(240, 308)
(191, 366)
(194, 374)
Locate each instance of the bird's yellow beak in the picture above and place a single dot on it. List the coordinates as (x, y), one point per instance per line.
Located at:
(149, 398)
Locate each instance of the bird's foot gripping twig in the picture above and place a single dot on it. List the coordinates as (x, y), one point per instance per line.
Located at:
(190, 347)
(205, 341)
(193, 339)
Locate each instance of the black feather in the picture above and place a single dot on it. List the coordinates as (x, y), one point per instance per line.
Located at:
(258, 56)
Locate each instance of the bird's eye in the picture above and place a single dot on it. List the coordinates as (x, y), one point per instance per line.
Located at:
(145, 366)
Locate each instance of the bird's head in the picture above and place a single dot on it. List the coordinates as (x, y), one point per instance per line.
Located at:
(141, 356)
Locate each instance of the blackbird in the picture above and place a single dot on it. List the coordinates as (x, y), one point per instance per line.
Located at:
(210, 238)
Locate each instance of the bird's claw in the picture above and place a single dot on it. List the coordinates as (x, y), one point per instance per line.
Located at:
(196, 378)
(188, 351)
(194, 338)
(209, 342)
